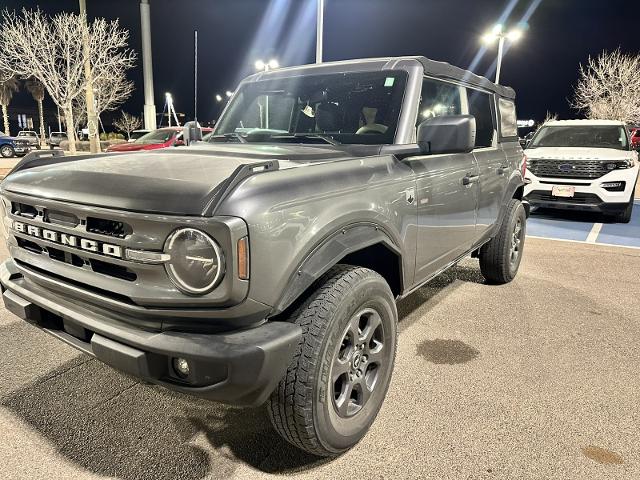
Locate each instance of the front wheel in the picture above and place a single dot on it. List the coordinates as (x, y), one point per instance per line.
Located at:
(335, 386)
(625, 215)
(500, 258)
(7, 151)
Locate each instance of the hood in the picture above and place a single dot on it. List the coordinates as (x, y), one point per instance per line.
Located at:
(577, 153)
(180, 181)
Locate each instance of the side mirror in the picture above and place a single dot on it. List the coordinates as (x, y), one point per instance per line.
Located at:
(447, 134)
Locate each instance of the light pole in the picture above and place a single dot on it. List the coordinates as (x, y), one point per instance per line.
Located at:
(261, 65)
(147, 66)
(498, 33)
(320, 32)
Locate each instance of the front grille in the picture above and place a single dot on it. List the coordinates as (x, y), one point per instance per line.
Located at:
(578, 199)
(587, 169)
(110, 228)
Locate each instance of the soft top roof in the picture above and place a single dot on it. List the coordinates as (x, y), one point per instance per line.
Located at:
(432, 68)
(447, 71)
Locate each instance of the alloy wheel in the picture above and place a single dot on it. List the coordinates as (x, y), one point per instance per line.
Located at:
(358, 362)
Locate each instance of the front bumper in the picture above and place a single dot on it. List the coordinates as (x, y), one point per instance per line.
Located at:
(590, 196)
(22, 149)
(240, 368)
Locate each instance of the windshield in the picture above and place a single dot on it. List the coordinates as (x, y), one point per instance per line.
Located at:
(350, 108)
(589, 136)
(161, 135)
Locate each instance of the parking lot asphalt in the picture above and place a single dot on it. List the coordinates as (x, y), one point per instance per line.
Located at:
(536, 379)
(585, 227)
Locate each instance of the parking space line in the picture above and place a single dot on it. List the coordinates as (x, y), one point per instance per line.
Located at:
(583, 242)
(593, 234)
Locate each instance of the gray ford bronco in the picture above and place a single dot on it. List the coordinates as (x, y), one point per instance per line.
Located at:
(264, 265)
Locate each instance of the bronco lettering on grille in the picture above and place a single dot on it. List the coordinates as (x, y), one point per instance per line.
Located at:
(68, 240)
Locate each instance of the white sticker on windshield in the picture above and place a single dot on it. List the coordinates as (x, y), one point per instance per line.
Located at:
(389, 82)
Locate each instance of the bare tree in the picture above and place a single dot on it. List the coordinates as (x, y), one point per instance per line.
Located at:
(50, 49)
(110, 91)
(7, 88)
(36, 88)
(550, 117)
(127, 123)
(608, 87)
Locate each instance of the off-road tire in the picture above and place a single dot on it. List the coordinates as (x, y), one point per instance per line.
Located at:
(7, 151)
(496, 261)
(303, 408)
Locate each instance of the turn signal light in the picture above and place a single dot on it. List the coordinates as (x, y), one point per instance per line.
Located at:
(243, 258)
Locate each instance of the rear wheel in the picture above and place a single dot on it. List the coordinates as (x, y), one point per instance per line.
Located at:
(7, 151)
(500, 258)
(335, 386)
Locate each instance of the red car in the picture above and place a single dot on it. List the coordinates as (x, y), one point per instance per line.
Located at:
(160, 138)
(635, 138)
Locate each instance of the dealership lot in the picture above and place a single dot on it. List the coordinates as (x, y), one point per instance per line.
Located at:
(536, 379)
(585, 228)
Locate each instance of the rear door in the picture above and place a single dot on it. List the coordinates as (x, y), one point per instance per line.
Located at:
(492, 161)
(446, 206)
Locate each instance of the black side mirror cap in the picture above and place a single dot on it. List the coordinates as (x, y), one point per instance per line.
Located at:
(447, 134)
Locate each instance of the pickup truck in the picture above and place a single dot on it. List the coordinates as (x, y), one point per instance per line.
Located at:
(264, 265)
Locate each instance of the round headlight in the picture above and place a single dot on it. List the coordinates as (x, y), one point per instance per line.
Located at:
(197, 264)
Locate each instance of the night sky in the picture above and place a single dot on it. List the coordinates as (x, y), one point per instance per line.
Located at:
(542, 67)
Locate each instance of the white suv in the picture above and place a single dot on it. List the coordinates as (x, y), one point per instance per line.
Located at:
(586, 165)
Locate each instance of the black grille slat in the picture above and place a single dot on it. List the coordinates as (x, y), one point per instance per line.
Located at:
(587, 169)
(109, 228)
(579, 198)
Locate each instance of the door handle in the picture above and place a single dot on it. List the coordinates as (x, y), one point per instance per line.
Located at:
(469, 179)
(502, 170)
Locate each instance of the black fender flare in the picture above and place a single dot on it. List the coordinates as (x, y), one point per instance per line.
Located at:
(328, 252)
(515, 182)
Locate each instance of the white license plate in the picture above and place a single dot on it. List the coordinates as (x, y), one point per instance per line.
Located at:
(563, 191)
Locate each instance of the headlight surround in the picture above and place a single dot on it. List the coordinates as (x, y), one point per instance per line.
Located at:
(196, 263)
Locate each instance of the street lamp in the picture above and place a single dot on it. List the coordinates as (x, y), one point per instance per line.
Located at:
(272, 64)
(498, 33)
(229, 94)
(169, 101)
(218, 98)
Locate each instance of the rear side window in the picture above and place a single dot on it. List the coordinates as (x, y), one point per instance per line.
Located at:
(480, 108)
(439, 99)
(508, 118)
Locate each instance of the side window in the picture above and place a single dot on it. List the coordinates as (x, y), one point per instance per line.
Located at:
(480, 107)
(439, 99)
(508, 118)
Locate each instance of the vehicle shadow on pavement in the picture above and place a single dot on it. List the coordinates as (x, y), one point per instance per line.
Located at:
(112, 425)
(420, 302)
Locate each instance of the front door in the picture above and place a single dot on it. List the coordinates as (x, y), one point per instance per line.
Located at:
(447, 196)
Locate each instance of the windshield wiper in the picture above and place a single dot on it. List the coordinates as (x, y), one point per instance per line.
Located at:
(321, 136)
(231, 135)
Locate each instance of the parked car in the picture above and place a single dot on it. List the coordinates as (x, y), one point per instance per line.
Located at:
(160, 138)
(635, 138)
(55, 138)
(136, 134)
(31, 136)
(12, 146)
(265, 265)
(586, 165)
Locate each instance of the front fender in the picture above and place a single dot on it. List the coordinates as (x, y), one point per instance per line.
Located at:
(328, 253)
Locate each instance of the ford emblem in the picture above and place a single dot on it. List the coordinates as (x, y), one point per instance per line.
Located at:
(565, 167)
